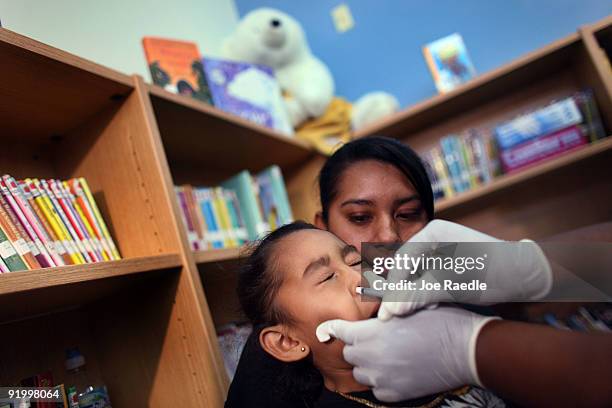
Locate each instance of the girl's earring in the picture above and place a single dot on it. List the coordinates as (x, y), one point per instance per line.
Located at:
(303, 349)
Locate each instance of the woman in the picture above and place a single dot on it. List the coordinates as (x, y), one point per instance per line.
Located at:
(376, 190)
(296, 278)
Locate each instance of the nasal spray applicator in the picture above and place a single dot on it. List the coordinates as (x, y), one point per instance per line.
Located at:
(322, 332)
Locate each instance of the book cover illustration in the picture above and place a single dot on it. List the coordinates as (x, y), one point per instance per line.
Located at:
(177, 67)
(249, 91)
(449, 62)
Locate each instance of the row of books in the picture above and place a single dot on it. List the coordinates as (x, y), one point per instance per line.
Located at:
(250, 91)
(476, 156)
(46, 223)
(241, 209)
(586, 319)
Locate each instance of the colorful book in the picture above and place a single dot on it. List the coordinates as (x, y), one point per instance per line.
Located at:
(215, 237)
(249, 91)
(242, 184)
(177, 67)
(18, 236)
(449, 62)
(274, 177)
(556, 116)
(542, 148)
(9, 255)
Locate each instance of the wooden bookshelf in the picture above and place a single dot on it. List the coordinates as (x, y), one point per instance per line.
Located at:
(217, 255)
(146, 323)
(534, 202)
(197, 136)
(16, 282)
(530, 175)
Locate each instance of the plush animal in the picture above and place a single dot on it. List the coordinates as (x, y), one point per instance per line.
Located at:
(271, 37)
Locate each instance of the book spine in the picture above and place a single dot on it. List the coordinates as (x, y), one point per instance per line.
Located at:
(451, 158)
(47, 207)
(65, 221)
(207, 241)
(82, 204)
(280, 191)
(470, 164)
(542, 148)
(83, 221)
(16, 235)
(3, 267)
(548, 119)
(58, 244)
(216, 233)
(192, 211)
(191, 234)
(100, 221)
(436, 185)
(242, 232)
(21, 222)
(73, 220)
(441, 172)
(8, 253)
(33, 221)
(220, 214)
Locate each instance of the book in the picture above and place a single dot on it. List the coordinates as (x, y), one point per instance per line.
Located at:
(17, 235)
(449, 62)
(249, 91)
(9, 255)
(585, 100)
(245, 189)
(542, 148)
(273, 176)
(177, 67)
(543, 121)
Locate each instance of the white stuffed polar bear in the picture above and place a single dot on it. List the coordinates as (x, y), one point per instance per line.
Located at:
(271, 37)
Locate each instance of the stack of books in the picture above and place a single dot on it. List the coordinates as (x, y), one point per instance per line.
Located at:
(47, 223)
(241, 209)
(476, 156)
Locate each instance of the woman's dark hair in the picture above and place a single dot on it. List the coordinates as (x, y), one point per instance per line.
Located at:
(382, 149)
(296, 384)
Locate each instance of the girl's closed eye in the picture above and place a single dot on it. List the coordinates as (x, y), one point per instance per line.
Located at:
(329, 276)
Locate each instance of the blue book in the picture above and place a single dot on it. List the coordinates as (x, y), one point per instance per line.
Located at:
(543, 121)
(244, 187)
(452, 157)
(204, 197)
(273, 177)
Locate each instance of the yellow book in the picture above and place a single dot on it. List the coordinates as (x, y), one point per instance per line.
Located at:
(94, 239)
(223, 215)
(99, 219)
(54, 220)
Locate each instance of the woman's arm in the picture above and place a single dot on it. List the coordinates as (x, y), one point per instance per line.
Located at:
(539, 366)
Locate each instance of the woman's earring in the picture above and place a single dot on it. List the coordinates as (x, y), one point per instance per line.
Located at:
(303, 349)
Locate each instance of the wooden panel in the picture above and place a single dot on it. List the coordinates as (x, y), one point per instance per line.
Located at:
(303, 189)
(47, 92)
(16, 282)
(198, 138)
(571, 197)
(216, 255)
(202, 341)
(595, 69)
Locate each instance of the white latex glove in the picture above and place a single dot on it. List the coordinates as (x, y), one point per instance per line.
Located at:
(518, 271)
(408, 357)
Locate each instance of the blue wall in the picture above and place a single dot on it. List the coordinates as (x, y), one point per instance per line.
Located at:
(383, 51)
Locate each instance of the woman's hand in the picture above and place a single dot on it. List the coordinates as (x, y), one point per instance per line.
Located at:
(428, 352)
(515, 271)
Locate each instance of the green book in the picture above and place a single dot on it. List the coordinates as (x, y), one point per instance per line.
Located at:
(11, 258)
(242, 184)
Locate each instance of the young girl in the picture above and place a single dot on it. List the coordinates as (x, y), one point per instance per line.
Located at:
(296, 278)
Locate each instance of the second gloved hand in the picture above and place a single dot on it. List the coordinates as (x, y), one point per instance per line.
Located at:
(515, 271)
(408, 357)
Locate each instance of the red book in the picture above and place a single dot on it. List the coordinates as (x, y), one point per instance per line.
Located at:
(542, 148)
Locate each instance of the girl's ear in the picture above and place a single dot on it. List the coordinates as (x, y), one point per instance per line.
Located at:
(276, 341)
(318, 221)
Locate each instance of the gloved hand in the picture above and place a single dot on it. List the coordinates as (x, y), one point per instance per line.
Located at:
(516, 271)
(408, 357)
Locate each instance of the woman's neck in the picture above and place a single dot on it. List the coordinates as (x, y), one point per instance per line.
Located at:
(341, 379)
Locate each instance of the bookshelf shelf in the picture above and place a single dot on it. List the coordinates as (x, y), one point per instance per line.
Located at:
(217, 255)
(15, 282)
(506, 182)
(198, 136)
(58, 89)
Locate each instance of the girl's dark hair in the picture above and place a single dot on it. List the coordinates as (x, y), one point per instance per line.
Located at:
(296, 384)
(382, 149)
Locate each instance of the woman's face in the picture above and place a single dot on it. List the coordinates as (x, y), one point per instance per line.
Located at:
(375, 202)
(320, 274)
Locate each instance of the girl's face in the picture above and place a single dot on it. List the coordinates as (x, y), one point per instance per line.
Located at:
(319, 277)
(375, 203)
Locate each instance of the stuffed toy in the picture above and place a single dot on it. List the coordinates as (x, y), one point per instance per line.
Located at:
(270, 37)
